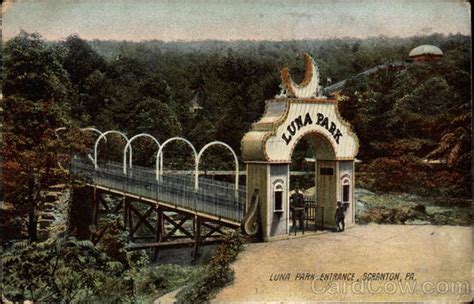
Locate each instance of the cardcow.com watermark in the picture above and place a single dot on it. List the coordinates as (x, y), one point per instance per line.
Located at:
(392, 287)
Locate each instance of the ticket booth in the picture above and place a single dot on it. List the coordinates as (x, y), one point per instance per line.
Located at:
(298, 112)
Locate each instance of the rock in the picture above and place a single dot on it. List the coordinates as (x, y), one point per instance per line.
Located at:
(168, 298)
(44, 223)
(48, 207)
(417, 222)
(52, 196)
(360, 191)
(43, 234)
(360, 206)
(420, 208)
(47, 215)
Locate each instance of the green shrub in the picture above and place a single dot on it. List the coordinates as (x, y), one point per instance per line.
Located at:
(60, 270)
(154, 281)
(68, 270)
(217, 274)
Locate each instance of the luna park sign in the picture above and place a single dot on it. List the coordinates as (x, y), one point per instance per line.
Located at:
(302, 121)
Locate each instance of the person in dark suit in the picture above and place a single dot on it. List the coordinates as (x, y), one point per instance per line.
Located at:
(340, 216)
(297, 207)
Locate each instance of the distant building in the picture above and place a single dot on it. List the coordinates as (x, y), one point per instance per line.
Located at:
(422, 53)
(195, 107)
(425, 53)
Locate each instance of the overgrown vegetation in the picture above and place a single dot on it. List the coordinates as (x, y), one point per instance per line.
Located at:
(421, 114)
(217, 274)
(71, 271)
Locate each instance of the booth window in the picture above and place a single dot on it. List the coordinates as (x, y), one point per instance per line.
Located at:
(326, 171)
(278, 197)
(346, 190)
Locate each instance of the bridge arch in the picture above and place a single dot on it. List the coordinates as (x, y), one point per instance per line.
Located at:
(159, 154)
(103, 135)
(219, 143)
(129, 145)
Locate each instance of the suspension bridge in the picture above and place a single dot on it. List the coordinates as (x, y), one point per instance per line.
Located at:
(161, 208)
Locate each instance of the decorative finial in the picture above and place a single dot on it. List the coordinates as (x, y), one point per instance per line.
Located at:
(308, 88)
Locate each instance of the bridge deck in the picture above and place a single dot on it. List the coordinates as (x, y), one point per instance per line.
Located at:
(214, 199)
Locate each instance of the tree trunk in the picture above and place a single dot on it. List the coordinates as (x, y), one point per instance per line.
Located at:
(32, 226)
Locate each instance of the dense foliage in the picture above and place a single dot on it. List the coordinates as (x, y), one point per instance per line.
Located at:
(149, 86)
(404, 118)
(408, 117)
(217, 274)
(68, 270)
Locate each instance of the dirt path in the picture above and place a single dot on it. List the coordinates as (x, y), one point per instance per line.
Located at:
(437, 255)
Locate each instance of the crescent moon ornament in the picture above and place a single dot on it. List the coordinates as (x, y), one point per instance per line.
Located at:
(308, 88)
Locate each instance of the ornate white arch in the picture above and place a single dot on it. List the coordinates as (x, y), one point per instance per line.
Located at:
(159, 154)
(103, 135)
(196, 174)
(129, 145)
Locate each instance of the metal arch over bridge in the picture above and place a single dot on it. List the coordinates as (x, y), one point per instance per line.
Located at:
(209, 204)
(96, 145)
(159, 154)
(235, 159)
(129, 144)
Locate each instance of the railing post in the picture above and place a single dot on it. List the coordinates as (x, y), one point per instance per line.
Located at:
(125, 211)
(196, 174)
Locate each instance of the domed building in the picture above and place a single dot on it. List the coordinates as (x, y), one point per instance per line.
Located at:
(425, 53)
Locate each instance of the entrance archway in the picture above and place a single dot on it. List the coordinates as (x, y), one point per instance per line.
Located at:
(298, 112)
(312, 170)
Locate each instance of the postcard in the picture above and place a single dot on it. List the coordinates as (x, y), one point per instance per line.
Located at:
(236, 151)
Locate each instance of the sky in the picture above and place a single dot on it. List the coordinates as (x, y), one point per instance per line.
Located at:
(173, 20)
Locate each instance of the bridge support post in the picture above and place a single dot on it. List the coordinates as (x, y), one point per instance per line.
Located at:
(95, 207)
(130, 220)
(197, 236)
(159, 226)
(125, 211)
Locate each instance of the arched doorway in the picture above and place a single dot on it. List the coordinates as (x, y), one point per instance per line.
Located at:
(299, 111)
(313, 171)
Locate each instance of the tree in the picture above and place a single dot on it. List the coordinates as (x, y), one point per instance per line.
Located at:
(156, 118)
(156, 87)
(31, 154)
(455, 148)
(33, 70)
(80, 60)
(202, 131)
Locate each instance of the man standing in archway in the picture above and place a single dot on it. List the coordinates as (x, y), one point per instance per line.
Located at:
(339, 216)
(297, 207)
